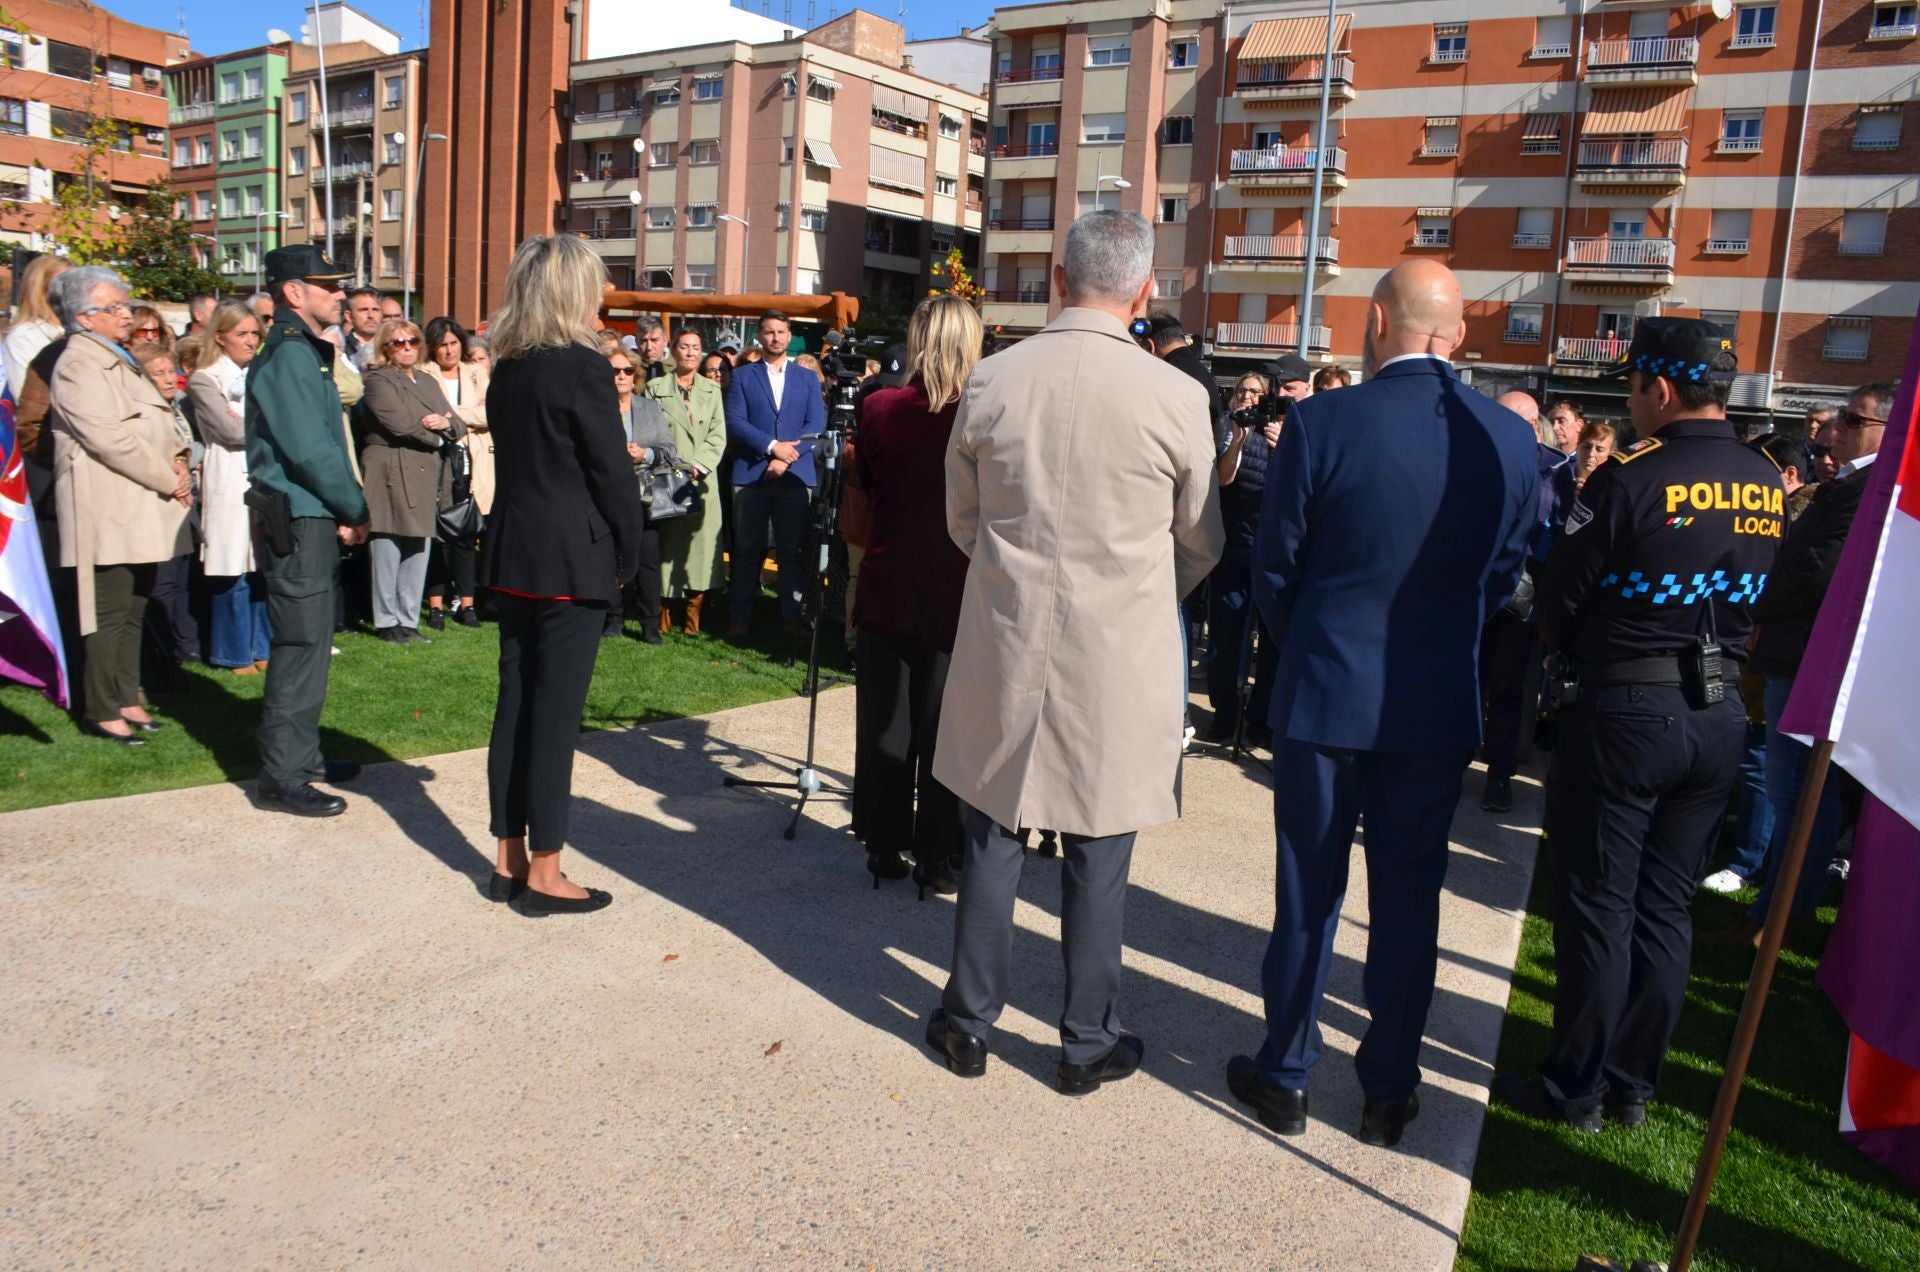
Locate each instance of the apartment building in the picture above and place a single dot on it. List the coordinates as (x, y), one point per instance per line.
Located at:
(225, 150)
(64, 65)
(821, 161)
(1578, 170)
(351, 163)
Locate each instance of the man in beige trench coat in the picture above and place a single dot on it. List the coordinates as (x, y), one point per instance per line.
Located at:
(1081, 484)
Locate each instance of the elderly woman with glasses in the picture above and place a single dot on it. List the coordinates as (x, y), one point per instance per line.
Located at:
(649, 440)
(149, 326)
(407, 421)
(121, 486)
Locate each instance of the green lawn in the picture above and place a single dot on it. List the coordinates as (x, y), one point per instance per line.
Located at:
(1791, 1193)
(384, 702)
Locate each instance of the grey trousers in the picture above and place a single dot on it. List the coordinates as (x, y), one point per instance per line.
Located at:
(1092, 903)
(399, 579)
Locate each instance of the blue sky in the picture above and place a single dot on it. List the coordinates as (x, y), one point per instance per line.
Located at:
(217, 26)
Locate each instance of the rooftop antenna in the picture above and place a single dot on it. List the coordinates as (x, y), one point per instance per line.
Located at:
(183, 21)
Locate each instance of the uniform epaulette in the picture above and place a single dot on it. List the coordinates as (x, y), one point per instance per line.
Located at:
(1645, 446)
(1770, 459)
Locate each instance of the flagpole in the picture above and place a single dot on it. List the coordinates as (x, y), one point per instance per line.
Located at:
(1772, 936)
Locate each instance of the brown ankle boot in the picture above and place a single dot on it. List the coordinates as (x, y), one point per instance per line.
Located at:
(694, 601)
(666, 617)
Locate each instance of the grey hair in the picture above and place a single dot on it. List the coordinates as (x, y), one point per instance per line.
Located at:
(1109, 256)
(71, 293)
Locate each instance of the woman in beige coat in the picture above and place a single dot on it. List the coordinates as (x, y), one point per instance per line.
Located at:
(451, 562)
(407, 421)
(122, 490)
(241, 638)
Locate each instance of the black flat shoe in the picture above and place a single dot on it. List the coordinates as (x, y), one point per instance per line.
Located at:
(145, 726)
(468, 617)
(1282, 1110)
(93, 730)
(302, 800)
(547, 903)
(886, 865)
(939, 878)
(649, 633)
(504, 887)
(965, 1054)
(1118, 1064)
(1382, 1121)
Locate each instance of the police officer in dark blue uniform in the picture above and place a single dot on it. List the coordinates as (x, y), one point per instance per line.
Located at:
(1644, 606)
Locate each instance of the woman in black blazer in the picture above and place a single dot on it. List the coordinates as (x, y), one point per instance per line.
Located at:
(562, 541)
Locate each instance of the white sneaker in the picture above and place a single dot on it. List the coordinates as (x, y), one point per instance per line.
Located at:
(1723, 881)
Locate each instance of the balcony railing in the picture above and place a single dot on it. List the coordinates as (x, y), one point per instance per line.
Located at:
(1739, 146)
(1727, 246)
(1301, 72)
(1844, 352)
(1031, 150)
(1029, 75)
(1863, 249)
(1753, 40)
(1562, 49)
(1270, 335)
(1522, 335)
(350, 116)
(1645, 153)
(1285, 159)
(607, 172)
(618, 112)
(1533, 240)
(1020, 223)
(1620, 253)
(1038, 294)
(1893, 31)
(1607, 55)
(1447, 55)
(602, 233)
(1279, 247)
(191, 114)
(1590, 351)
(345, 171)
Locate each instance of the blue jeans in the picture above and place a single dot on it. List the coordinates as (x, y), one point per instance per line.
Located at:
(1752, 810)
(241, 634)
(1786, 770)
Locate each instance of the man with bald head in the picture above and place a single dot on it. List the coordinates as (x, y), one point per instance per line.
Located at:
(1396, 520)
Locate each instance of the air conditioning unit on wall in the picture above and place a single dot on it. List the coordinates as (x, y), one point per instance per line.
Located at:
(151, 75)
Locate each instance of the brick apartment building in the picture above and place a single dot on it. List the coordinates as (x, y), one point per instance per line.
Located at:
(1577, 171)
(76, 63)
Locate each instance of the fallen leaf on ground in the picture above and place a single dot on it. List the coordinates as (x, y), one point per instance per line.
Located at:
(669, 958)
(773, 1050)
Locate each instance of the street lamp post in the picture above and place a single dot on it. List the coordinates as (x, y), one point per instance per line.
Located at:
(1118, 183)
(259, 257)
(413, 198)
(746, 242)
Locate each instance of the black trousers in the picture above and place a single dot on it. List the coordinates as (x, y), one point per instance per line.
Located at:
(896, 719)
(1507, 645)
(450, 562)
(112, 673)
(547, 650)
(302, 590)
(170, 618)
(641, 598)
(1229, 610)
(1636, 797)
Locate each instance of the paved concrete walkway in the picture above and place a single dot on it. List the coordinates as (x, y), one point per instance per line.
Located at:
(235, 1039)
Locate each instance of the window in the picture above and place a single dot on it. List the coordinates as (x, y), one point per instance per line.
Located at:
(297, 212)
(1728, 320)
(1541, 135)
(12, 51)
(256, 200)
(1046, 63)
(1177, 131)
(394, 152)
(182, 148)
(786, 151)
(821, 90)
(946, 185)
(1443, 136)
(205, 205)
(1753, 27)
(704, 152)
(789, 86)
(661, 156)
(1533, 228)
(296, 108)
(1731, 228)
(1168, 283)
(74, 62)
(390, 262)
(396, 86)
(951, 128)
(1267, 139)
(1524, 323)
(812, 218)
(392, 205)
(1434, 227)
(1878, 128)
(1740, 130)
(1863, 232)
(659, 218)
(1102, 129)
(1183, 54)
(700, 216)
(230, 87)
(806, 282)
(229, 146)
(782, 215)
(230, 202)
(1109, 50)
(1894, 22)
(1848, 338)
(255, 85)
(203, 149)
(1173, 209)
(1449, 42)
(1553, 36)
(255, 145)
(666, 94)
(699, 278)
(296, 161)
(708, 88)
(13, 115)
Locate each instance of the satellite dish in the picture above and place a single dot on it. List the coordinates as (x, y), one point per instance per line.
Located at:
(276, 36)
(1722, 10)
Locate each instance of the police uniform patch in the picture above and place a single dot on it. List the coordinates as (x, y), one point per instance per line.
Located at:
(1645, 446)
(1580, 515)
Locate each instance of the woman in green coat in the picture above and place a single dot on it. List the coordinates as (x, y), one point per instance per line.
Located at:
(690, 545)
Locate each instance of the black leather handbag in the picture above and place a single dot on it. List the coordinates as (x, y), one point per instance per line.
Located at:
(668, 490)
(457, 517)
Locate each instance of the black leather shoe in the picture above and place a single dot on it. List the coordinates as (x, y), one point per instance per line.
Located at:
(391, 635)
(302, 800)
(1282, 1110)
(1529, 1096)
(338, 772)
(437, 619)
(547, 903)
(1118, 1064)
(1626, 1113)
(412, 636)
(504, 887)
(145, 726)
(130, 738)
(966, 1055)
(1382, 1121)
(939, 878)
(1497, 796)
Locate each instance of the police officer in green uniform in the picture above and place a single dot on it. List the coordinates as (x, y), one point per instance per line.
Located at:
(1643, 604)
(307, 503)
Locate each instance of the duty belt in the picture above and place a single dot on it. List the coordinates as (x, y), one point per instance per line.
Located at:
(1632, 671)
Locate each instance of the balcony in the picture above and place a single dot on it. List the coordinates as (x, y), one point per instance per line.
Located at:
(638, 107)
(356, 116)
(1530, 241)
(1521, 335)
(1269, 336)
(1586, 356)
(1013, 235)
(1632, 161)
(1033, 86)
(607, 181)
(1273, 82)
(1619, 63)
(1623, 263)
(196, 113)
(1036, 160)
(1887, 27)
(1281, 168)
(1278, 254)
(350, 170)
(1022, 308)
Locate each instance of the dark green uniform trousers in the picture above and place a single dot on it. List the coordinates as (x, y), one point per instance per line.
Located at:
(300, 606)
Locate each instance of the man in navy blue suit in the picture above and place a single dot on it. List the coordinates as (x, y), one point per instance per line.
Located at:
(1395, 521)
(771, 404)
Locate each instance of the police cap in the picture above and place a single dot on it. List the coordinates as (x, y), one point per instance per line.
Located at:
(1681, 349)
(305, 262)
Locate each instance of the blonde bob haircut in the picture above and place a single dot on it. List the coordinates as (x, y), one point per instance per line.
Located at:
(552, 296)
(943, 343)
(30, 303)
(391, 330)
(227, 315)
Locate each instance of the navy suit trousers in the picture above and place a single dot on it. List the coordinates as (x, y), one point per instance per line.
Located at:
(1320, 794)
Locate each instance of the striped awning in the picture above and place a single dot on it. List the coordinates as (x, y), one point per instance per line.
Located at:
(1433, 211)
(1443, 121)
(821, 154)
(1289, 39)
(1636, 110)
(895, 102)
(1543, 127)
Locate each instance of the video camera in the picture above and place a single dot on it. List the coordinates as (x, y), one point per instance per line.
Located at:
(1270, 409)
(841, 361)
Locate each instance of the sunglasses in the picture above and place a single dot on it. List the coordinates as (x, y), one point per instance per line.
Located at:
(1853, 419)
(403, 342)
(623, 370)
(146, 331)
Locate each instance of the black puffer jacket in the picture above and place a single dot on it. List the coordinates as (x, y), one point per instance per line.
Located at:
(1802, 571)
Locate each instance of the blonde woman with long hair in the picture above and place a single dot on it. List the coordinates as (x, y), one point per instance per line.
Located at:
(908, 605)
(563, 539)
(34, 325)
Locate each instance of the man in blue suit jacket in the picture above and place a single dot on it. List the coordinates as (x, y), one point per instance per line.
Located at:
(1395, 521)
(771, 404)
